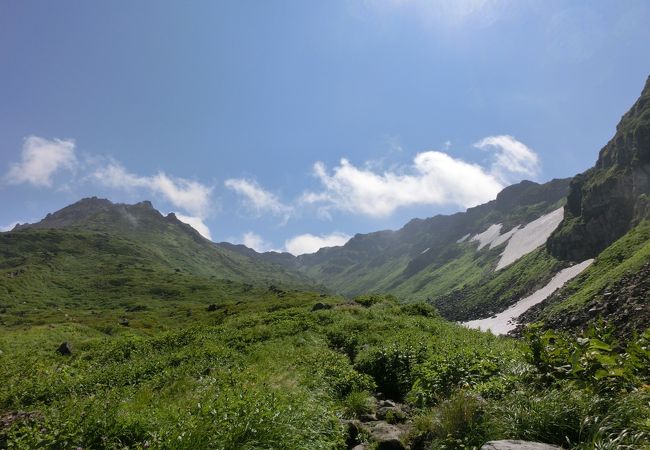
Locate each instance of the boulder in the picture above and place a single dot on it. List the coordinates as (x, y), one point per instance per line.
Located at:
(64, 349)
(124, 322)
(320, 306)
(518, 445)
(386, 436)
(391, 414)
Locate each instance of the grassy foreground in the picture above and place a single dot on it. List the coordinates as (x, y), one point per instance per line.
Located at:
(262, 370)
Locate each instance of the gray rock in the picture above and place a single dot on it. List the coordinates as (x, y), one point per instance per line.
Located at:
(367, 417)
(386, 436)
(518, 445)
(391, 414)
(320, 306)
(65, 349)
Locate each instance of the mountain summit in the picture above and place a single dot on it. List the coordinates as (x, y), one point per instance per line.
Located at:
(161, 241)
(609, 199)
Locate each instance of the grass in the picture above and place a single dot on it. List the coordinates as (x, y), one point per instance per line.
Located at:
(260, 369)
(627, 254)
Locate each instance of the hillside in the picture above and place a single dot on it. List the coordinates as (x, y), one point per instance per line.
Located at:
(468, 264)
(608, 200)
(478, 263)
(99, 238)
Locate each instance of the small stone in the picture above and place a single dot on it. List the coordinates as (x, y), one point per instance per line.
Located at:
(124, 322)
(367, 417)
(64, 349)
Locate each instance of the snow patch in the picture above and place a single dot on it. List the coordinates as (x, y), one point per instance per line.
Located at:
(521, 239)
(525, 240)
(463, 239)
(504, 237)
(425, 250)
(488, 236)
(504, 322)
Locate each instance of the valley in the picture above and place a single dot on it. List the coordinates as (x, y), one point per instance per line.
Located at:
(125, 328)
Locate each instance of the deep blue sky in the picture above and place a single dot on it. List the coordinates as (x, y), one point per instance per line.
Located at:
(257, 92)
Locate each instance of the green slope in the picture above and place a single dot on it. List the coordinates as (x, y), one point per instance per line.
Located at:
(163, 240)
(613, 288)
(423, 258)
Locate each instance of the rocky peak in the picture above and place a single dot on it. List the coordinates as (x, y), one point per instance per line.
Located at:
(609, 199)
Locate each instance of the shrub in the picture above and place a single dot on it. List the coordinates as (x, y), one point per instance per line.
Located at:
(392, 366)
(358, 403)
(439, 376)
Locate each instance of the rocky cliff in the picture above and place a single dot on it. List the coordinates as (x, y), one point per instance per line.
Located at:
(606, 201)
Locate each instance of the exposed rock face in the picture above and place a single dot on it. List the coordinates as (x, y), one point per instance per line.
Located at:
(624, 304)
(607, 200)
(518, 445)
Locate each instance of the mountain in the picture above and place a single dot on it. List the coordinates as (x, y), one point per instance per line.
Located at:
(608, 200)
(92, 229)
(606, 217)
(478, 263)
(468, 264)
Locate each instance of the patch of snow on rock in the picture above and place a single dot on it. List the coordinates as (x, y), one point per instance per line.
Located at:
(463, 239)
(488, 236)
(525, 240)
(425, 250)
(504, 322)
(504, 237)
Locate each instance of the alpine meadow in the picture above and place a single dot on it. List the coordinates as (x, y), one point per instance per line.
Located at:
(173, 275)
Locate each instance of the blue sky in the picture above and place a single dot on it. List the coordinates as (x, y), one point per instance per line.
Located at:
(266, 122)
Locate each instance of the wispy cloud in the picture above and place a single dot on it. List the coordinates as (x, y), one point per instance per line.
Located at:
(445, 12)
(309, 243)
(511, 157)
(41, 159)
(259, 199)
(189, 195)
(197, 223)
(9, 227)
(256, 242)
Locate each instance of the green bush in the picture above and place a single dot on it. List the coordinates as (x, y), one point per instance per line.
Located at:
(392, 366)
(442, 374)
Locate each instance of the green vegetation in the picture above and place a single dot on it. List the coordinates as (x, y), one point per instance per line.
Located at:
(626, 255)
(167, 354)
(260, 369)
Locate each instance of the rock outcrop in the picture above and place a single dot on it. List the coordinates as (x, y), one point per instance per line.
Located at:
(606, 201)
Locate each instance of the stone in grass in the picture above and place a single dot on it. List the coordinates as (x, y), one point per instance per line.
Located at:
(124, 322)
(64, 349)
(518, 445)
(212, 307)
(320, 306)
(386, 436)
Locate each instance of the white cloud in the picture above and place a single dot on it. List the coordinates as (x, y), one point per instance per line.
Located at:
(8, 227)
(41, 158)
(188, 195)
(257, 198)
(309, 243)
(511, 158)
(256, 242)
(434, 178)
(197, 223)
